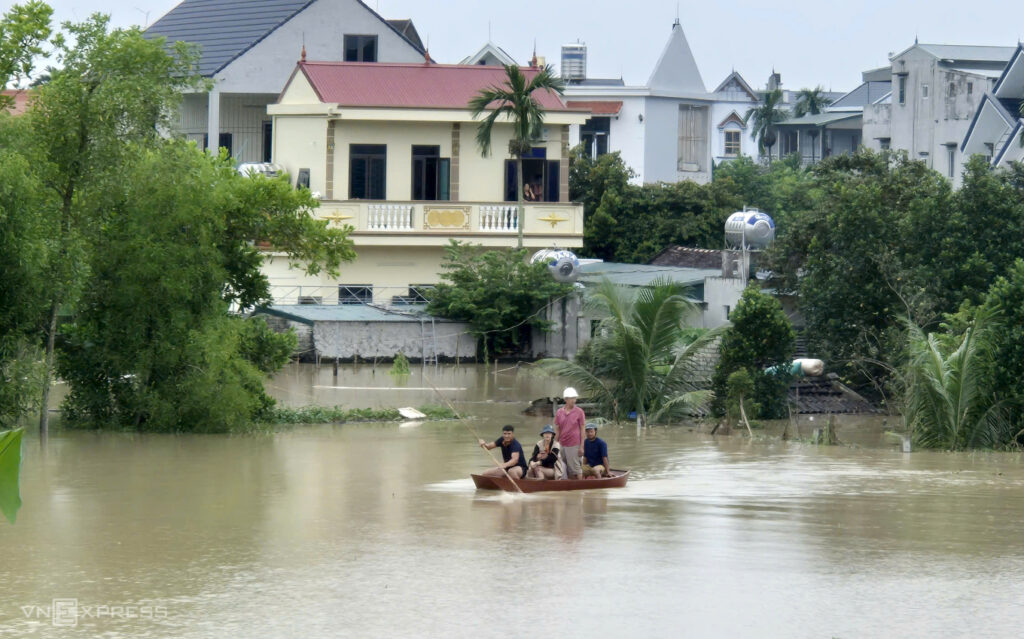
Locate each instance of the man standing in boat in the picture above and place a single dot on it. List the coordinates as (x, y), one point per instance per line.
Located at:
(514, 461)
(569, 421)
(595, 455)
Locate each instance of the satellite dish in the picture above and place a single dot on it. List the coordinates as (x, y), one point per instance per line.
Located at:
(564, 266)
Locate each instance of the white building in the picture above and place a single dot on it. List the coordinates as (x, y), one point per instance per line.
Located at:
(662, 129)
(250, 55)
(936, 91)
(731, 136)
(996, 128)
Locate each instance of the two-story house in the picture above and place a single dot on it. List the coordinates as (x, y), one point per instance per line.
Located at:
(662, 129)
(936, 90)
(249, 49)
(392, 151)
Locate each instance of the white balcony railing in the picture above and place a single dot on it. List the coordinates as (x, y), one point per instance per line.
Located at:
(500, 218)
(389, 217)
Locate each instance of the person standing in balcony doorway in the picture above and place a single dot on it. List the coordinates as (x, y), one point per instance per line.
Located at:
(569, 421)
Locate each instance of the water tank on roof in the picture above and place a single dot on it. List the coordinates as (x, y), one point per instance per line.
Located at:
(751, 229)
(563, 265)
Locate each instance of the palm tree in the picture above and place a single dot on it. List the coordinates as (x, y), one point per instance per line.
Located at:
(947, 405)
(810, 101)
(764, 118)
(639, 359)
(514, 101)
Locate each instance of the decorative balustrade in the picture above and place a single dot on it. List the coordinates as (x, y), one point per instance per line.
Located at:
(389, 217)
(501, 218)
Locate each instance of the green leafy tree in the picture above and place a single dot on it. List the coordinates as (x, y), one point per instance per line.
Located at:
(740, 388)
(641, 358)
(760, 338)
(497, 292)
(23, 30)
(112, 94)
(151, 345)
(763, 119)
(810, 102)
(513, 102)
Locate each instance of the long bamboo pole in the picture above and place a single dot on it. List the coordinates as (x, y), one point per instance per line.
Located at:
(472, 432)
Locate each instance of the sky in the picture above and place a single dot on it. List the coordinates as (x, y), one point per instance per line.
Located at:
(810, 43)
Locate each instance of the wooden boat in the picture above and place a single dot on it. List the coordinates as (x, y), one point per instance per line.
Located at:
(617, 479)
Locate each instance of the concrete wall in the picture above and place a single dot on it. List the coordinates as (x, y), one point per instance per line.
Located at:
(568, 329)
(367, 340)
(719, 293)
(301, 142)
(661, 152)
(748, 143)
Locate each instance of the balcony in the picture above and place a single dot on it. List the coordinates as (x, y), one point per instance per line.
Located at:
(384, 223)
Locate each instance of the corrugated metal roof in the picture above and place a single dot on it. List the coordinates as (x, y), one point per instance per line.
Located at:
(439, 86)
(597, 107)
(821, 119)
(643, 274)
(224, 28)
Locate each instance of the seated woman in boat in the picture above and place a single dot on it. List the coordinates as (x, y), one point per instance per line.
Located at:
(545, 464)
(514, 460)
(595, 454)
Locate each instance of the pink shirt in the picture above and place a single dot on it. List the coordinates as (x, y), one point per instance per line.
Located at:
(569, 424)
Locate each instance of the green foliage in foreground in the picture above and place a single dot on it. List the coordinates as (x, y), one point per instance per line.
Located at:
(10, 465)
(759, 338)
(338, 414)
(497, 292)
(640, 358)
(948, 401)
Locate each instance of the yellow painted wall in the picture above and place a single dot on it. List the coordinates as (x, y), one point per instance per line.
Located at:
(299, 91)
(483, 179)
(300, 142)
(399, 138)
(391, 270)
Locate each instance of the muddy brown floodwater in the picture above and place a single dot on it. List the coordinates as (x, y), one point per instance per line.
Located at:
(370, 530)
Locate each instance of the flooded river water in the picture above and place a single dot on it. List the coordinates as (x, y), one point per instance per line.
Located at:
(374, 530)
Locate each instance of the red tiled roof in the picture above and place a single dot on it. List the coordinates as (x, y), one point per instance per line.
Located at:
(431, 86)
(597, 107)
(20, 100)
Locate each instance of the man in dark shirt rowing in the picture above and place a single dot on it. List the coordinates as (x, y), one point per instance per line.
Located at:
(511, 453)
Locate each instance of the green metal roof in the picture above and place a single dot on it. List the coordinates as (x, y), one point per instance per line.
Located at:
(310, 313)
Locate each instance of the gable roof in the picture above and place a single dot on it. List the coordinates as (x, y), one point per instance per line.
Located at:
(497, 52)
(987, 104)
(688, 257)
(411, 86)
(1015, 71)
(738, 79)
(676, 70)
(732, 117)
(226, 29)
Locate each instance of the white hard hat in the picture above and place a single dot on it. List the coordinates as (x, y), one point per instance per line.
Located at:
(570, 393)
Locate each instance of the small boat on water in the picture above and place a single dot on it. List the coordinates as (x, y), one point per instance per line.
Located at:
(617, 479)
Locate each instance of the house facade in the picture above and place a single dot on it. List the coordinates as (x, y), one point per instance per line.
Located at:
(391, 150)
(249, 58)
(936, 91)
(996, 128)
(731, 136)
(661, 129)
